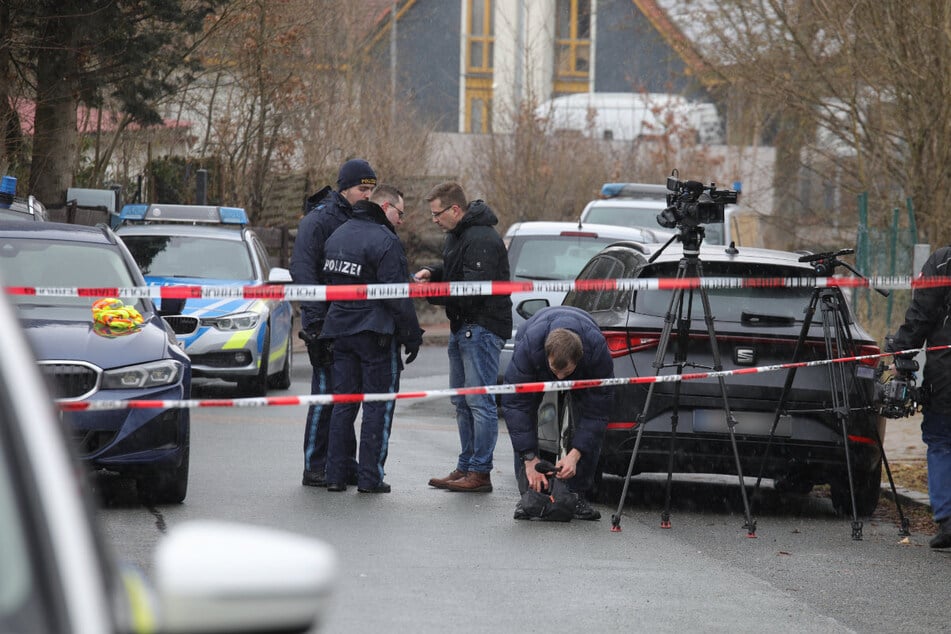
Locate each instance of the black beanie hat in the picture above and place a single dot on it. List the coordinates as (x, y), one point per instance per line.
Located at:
(355, 172)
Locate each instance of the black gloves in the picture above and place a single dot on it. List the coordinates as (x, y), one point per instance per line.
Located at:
(320, 351)
(412, 349)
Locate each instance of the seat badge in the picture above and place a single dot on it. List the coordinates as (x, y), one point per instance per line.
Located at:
(744, 356)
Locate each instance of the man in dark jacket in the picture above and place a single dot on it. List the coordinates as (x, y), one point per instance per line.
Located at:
(326, 211)
(559, 343)
(928, 320)
(367, 335)
(479, 326)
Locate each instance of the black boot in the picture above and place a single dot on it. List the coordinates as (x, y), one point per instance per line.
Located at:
(943, 538)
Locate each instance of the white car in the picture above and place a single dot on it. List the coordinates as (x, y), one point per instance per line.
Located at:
(543, 250)
(57, 574)
(638, 204)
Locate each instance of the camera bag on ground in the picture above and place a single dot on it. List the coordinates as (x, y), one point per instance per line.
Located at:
(557, 504)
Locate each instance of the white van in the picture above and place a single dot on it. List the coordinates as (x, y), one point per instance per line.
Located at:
(626, 116)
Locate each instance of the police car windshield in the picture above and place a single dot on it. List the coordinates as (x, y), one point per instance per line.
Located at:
(191, 256)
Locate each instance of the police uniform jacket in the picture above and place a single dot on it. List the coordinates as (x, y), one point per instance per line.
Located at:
(474, 252)
(530, 363)
(927, 322)
(327, 210)
(366, 250)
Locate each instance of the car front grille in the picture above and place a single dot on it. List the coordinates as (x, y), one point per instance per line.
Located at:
(181, 324)
(70, 379)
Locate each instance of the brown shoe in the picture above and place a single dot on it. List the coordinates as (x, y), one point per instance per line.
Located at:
(474, 482)
(440, 483)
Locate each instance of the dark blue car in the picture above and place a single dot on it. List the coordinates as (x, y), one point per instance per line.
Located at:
(122, 350)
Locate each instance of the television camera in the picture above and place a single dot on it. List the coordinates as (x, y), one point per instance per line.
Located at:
(691, 203)
(898, 396)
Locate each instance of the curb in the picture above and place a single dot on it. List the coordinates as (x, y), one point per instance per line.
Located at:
(906, 496)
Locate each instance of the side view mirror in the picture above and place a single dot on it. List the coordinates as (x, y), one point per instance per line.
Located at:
(279, 275)
(530, 306)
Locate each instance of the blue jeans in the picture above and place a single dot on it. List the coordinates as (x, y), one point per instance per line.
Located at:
(474, 361)
(936, 433)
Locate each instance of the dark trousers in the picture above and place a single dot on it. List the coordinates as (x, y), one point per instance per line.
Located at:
(581, 483)
(365, 363)
(317, 428)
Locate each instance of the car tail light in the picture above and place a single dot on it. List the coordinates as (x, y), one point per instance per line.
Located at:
(621, 343)
(579, 234)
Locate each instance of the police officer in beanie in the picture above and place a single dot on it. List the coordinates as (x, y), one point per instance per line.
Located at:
(559, 343)
(326, 211)
(367, 335)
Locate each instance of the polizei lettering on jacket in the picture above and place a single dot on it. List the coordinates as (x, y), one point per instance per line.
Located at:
(342, 267)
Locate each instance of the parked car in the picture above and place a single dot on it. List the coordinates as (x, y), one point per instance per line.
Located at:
(57, 572)
(86, 359)
(542, 250)
(248, 341)
(754, 327)
(28, 209)
(637, 205)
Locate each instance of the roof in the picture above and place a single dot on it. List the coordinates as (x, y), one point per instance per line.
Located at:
(613, 232)
(54, 231)
(88, 119)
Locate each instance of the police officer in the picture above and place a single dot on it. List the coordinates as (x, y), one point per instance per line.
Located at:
(327, 210)
(563, 343)
(367, 335)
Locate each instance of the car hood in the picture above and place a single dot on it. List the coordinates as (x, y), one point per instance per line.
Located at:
(68, 333)
(208, 306)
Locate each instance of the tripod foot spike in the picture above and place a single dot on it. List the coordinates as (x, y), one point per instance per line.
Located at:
(615, 523)
(665, 520)
(904, 530)
(857, 531)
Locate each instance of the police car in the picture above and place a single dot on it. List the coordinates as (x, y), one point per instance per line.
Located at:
(247, 341)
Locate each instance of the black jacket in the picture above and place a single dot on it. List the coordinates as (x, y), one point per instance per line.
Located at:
(530, 363)
(366, 250)
(326, 211)
(474, 252)
(927, 322)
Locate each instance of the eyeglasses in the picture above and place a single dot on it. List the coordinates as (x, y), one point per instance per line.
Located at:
(436, 214)
(398, 210)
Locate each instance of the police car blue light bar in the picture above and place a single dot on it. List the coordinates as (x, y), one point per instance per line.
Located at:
(195, 214)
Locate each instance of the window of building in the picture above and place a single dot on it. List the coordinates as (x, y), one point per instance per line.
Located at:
(572, 45)
(480, 42)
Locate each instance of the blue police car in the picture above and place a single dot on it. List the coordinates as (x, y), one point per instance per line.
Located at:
(248, 341)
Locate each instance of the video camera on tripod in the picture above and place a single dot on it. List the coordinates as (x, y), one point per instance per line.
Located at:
(691, 203)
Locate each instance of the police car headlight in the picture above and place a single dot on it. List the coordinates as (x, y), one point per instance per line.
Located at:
(237, 321)
(153, 374)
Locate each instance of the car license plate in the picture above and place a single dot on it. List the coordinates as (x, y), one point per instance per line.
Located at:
(713, 421)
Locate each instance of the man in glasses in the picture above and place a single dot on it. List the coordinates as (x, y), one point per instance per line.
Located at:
(326, 211)
(367, 335)
(479, 325)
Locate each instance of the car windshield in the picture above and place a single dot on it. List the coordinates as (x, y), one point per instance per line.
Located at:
(554, 257)
(644, 217)
(191, 256)
(60, 264)
(763, 306)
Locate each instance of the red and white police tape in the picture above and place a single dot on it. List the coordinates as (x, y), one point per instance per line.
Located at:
(511, 388)
(319, 293)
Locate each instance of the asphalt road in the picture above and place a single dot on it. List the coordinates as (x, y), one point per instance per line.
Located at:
(425, 560)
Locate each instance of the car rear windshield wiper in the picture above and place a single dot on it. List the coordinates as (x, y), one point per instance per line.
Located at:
(537, 277)
(760, 319)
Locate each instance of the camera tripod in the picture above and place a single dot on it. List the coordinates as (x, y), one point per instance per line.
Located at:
(679, 313)
(838, 342)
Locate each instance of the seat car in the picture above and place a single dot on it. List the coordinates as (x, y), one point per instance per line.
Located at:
(58, 574)
(753, 327)
(90, 359)
(248, 341)
(637, 205)
(542, 250)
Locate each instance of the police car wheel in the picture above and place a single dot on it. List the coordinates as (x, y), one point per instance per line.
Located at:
(282, 380)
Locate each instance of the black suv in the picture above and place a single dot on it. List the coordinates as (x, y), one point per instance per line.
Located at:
(753, 327)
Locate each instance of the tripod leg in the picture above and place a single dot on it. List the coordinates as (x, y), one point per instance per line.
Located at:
(676, 300)
(730, 420)
(903, 529)
(831, 317)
